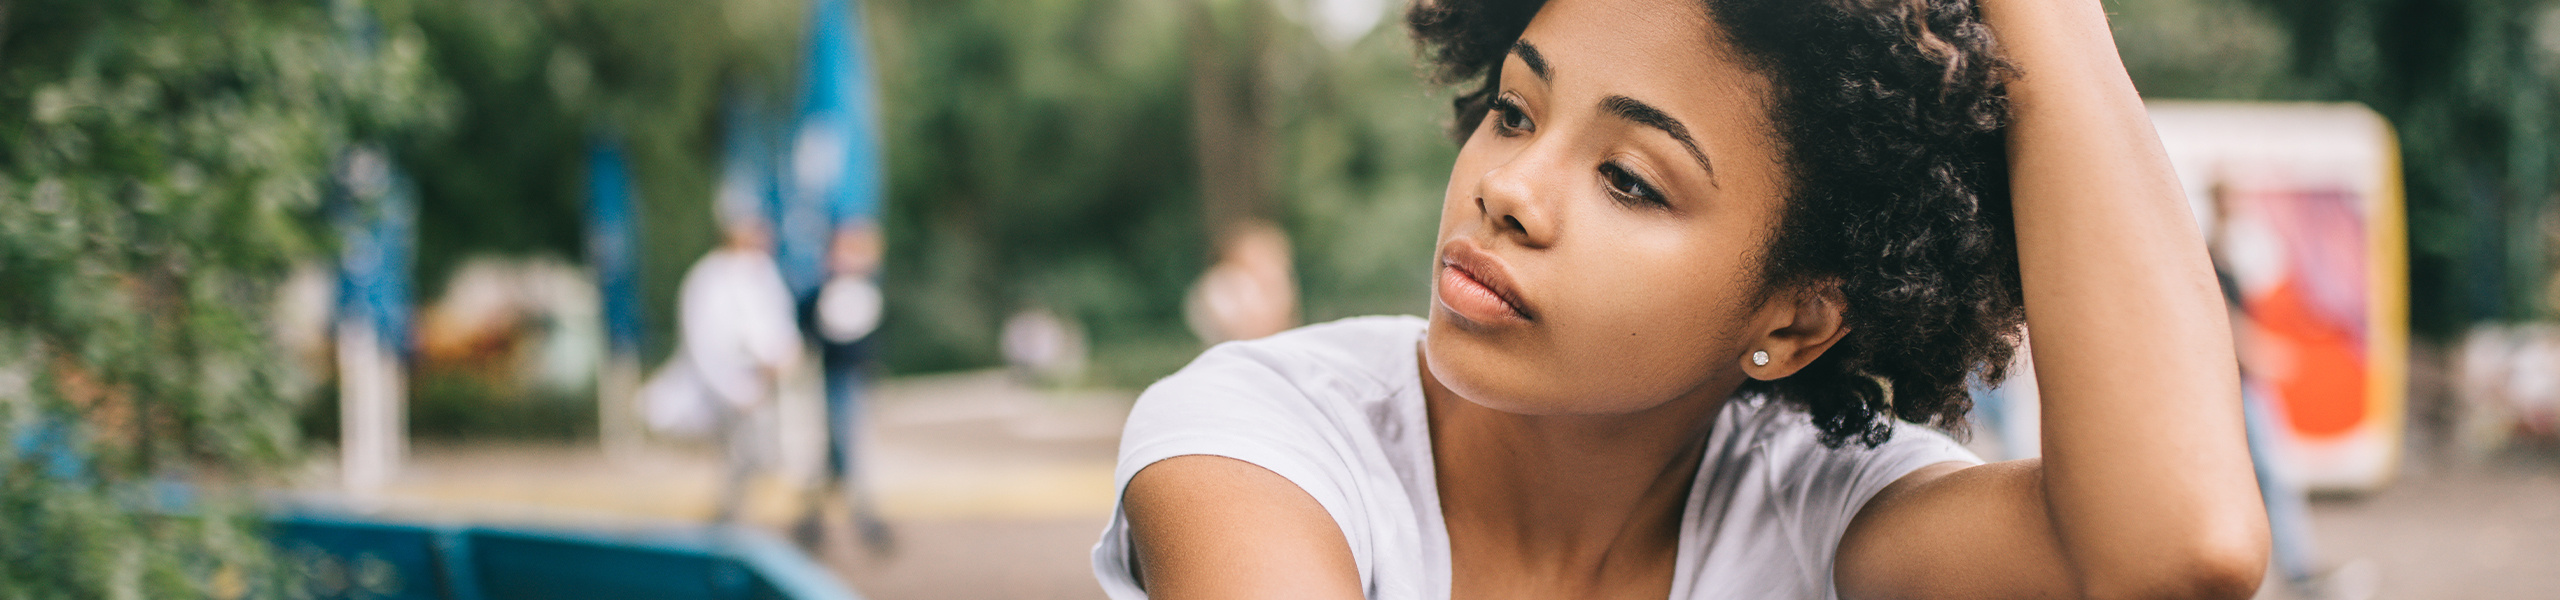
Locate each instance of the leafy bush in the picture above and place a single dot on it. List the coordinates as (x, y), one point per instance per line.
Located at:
(161, 163)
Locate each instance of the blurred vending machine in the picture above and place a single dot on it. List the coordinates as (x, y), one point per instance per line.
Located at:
(2302, 206)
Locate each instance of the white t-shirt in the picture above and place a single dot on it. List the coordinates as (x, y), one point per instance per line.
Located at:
(1337, 409)
(737, 323)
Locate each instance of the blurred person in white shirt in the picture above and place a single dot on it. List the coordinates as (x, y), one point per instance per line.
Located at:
(738, 338)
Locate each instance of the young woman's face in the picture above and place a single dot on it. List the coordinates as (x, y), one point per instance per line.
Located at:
(1601, 237)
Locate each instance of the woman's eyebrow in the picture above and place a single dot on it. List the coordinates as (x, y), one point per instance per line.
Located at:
(1529, 55)
(1645, 114)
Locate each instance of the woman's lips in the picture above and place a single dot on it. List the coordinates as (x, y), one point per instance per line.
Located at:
(1476, 285)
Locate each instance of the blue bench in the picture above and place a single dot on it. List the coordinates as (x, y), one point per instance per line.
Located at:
(352, 558)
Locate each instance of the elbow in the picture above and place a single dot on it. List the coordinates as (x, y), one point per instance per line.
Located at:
(2233, 571)
(2229, 568)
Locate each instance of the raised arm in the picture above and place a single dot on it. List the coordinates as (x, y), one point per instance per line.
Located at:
(2145, 489)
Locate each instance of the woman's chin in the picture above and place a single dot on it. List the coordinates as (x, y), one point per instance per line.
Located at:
(1484, 375)
(1497, 375)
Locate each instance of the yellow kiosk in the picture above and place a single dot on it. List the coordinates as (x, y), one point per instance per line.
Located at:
(2302, 203)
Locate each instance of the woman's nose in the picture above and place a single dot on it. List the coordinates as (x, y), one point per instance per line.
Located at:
(1516, 199)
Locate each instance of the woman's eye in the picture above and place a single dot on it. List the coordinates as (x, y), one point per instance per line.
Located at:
(1508, 119)
(1629, 188)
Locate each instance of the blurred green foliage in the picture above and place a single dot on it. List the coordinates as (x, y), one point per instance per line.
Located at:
(161, 164)
(1038, 155)
(535, 83)
(534, 86)
(1042, 154)
(1364, 156)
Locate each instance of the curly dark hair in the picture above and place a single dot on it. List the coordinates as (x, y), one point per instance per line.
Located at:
(1889, 116)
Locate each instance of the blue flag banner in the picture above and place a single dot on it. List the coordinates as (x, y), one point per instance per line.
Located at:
(835, 172)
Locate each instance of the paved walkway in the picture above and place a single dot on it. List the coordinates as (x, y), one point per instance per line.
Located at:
(994, 490)
(2475, 529)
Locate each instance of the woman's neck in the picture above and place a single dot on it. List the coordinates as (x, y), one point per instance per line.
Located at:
(1581, 505)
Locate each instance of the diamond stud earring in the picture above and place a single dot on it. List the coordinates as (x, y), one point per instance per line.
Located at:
(1759, 358)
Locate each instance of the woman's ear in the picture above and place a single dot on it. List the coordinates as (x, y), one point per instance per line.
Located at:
(1792, 328)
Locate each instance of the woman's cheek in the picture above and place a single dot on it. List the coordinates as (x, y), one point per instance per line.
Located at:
(1651, 328)
(1637, 362)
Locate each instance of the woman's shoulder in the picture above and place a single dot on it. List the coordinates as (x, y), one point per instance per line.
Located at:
(1325, 386)
(1321, 406)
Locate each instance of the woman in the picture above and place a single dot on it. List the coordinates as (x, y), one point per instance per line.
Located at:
(1701, 265)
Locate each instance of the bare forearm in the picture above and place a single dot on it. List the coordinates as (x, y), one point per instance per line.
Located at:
(2146, 470)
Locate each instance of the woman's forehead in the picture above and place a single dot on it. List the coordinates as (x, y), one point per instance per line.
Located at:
(1623, 30)
(1665, 52)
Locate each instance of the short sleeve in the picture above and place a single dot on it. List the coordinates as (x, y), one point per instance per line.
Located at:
(1869, 471)
(1838, 482)
(1243, 402)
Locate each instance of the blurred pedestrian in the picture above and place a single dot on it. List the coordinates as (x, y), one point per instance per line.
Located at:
(830, 246)
(1252, 291)
(737, 342)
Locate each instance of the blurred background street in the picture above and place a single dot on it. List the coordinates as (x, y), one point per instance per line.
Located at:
(995, 490)
(505, 266)
(2454, 531)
